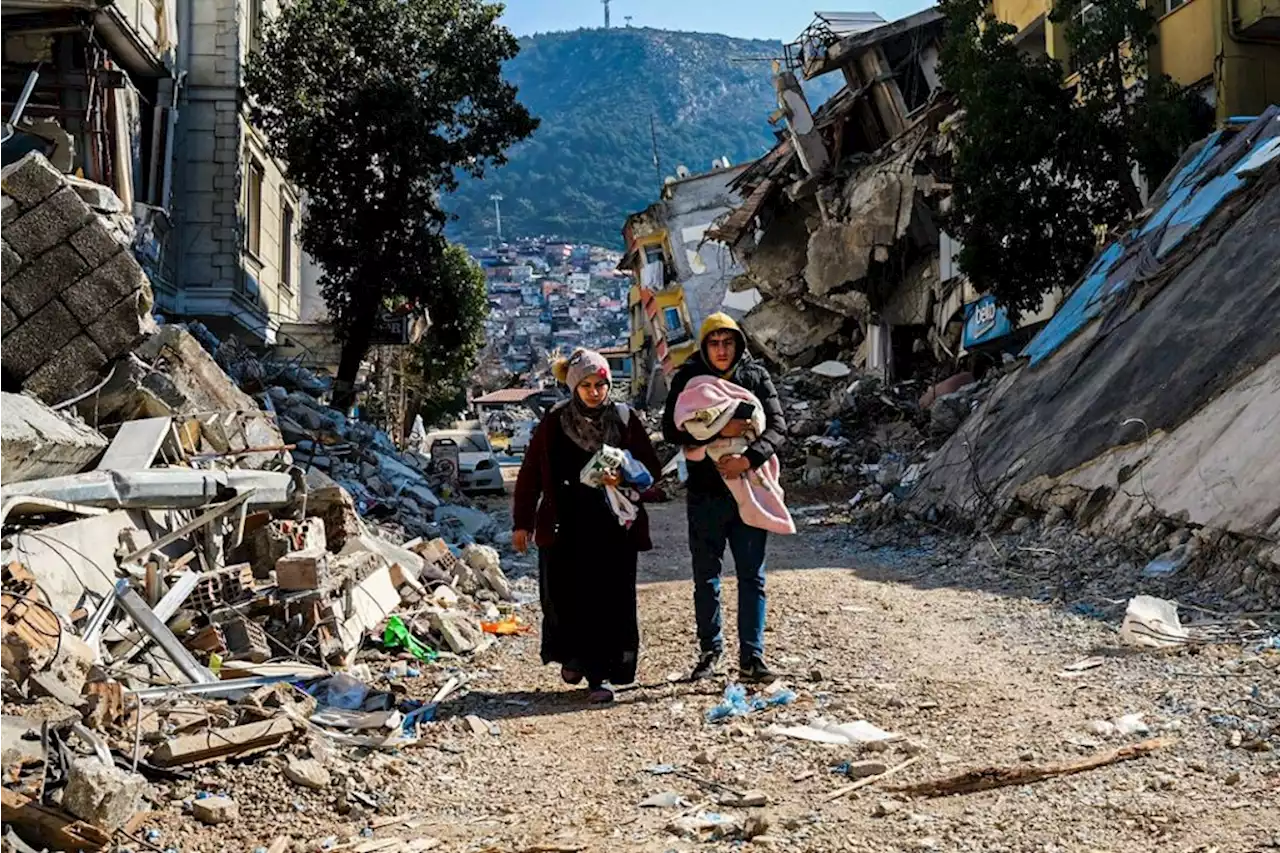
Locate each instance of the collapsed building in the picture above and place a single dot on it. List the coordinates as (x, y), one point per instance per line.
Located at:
(201, 561)
(680, 275)
(840, 228)
(1163, 367)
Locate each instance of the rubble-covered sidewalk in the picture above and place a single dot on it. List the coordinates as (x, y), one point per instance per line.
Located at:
(199, 570)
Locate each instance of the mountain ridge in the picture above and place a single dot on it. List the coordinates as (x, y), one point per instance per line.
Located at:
(590, 163)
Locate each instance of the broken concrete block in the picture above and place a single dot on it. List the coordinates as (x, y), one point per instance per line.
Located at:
(92, 296)
(839, 254)
(487, 565)
(29, 288)
(9, 261)
(191, 383)
(460, 632)
(52, 221)
(96, 243)
(302, 570)
(72, 370)
(788, 333)
(308, 773)
(391, 553)
(104, 795)
(31, 180)
(332, 503)
(29, 346)
(124, 324)
(215, 810)
(36, 441)
(100, 198)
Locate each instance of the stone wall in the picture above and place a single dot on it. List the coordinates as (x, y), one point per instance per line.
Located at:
(216, 273)
(74, 297)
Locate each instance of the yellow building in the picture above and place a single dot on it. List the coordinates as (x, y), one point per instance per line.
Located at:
(1228, 50)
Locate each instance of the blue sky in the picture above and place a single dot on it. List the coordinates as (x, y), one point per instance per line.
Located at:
(763, 19)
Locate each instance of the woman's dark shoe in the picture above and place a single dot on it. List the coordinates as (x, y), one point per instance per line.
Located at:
(708, 666)
(570, 676)
(754, 671)
(599, 695)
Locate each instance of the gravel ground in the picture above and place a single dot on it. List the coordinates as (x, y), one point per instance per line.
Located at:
(960, 646)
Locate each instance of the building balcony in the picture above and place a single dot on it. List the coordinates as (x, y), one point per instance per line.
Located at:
(1185, 48)
(1258, 19)
(142, 34)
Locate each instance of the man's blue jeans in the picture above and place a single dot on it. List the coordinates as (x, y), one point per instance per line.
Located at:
(714, 522)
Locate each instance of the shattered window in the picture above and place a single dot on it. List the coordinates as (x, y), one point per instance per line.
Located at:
(677, 331)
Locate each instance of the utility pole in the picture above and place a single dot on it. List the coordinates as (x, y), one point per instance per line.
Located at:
(496, 198)
(606, 12)
(627, 18)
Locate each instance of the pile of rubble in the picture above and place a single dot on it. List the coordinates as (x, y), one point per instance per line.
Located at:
(194, 570)
(870, 438)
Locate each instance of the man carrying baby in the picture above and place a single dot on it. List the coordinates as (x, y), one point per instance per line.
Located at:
(714, 518)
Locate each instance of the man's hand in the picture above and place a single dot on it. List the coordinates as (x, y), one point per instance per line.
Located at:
(614, 479)
(733, 467)
(735, 428)
(520, 541)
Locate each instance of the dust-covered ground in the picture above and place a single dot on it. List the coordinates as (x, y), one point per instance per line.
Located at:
(967, 657)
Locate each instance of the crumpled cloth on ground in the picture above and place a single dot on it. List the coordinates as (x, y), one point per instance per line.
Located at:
(623, 501)
(703, 409)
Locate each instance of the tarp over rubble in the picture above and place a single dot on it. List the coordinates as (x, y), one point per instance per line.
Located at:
(1156, 388)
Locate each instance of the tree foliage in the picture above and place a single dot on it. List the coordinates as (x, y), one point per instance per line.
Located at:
(446, 357)
(376, 106)
(1038, 167)
(1024, 225)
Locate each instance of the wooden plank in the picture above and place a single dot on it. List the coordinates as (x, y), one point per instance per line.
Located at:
(47, 827)
(218, 744)
(986, 778)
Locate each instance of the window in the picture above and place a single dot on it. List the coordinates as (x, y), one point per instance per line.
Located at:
(286, 243)
(673, 320)
(253, 206)
(255, 25)
(1170, 5)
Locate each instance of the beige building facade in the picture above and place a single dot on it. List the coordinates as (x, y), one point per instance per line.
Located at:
(237, 259)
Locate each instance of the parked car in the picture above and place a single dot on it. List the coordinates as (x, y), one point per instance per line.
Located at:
(479, 471)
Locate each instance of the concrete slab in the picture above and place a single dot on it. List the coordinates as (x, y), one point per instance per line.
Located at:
(37, 442)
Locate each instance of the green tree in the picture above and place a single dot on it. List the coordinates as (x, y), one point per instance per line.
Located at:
(442, 363)
(1038, 167)
(376, 106)
(1137, 118)
(1018, 207)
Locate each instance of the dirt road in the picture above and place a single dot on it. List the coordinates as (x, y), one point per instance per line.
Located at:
(971, 678)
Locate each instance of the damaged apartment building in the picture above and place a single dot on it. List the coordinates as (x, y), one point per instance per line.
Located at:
(679, 275)
(144, 97)
(839, 229)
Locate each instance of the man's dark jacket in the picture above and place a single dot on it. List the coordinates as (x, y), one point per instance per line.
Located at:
(748, 373)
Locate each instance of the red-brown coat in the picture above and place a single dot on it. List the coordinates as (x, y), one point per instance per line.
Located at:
(535, 504)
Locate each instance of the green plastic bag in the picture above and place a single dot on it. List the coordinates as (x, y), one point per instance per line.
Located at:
(398, 636)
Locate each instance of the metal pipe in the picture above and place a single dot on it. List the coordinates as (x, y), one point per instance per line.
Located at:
(10, 127)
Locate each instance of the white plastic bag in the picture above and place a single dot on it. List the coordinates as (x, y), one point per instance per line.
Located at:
(1152, 623)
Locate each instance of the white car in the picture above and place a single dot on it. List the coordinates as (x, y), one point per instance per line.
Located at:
(479, 470)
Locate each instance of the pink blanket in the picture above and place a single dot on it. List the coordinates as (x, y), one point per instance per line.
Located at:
(703, 408)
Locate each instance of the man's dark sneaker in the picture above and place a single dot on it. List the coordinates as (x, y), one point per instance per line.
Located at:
(707, 666)
(755, 671)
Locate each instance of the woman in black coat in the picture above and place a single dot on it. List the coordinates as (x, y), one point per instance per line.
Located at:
(586, 555)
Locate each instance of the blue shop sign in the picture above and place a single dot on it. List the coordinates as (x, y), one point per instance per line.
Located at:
(984, 322)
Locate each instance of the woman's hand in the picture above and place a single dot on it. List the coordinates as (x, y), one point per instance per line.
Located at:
(520, 541)
(614, 479)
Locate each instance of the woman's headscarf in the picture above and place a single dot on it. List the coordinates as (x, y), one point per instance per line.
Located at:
(586, 427)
